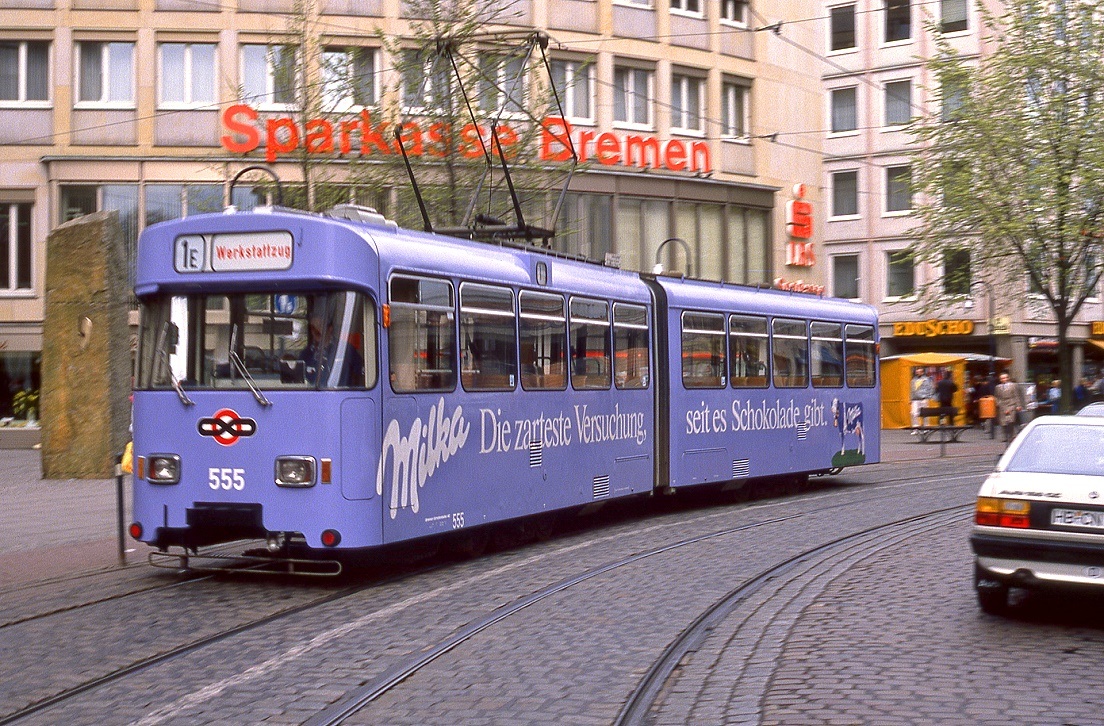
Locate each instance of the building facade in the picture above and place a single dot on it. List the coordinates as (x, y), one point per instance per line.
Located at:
(875, 82)
(683, 108)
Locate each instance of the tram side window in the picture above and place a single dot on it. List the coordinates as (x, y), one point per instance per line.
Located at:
(703, 350)
(747, 351)
(790, 344)
(543, 324)
(827, 363)
(861, 358)
(421, 335)
(590, 344)
(488, 343)
(630, 346)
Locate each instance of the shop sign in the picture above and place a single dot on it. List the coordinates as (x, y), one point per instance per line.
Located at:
(361, 135)
(1097, 329)
(932, 328)
(1000, 325)
(782, 283)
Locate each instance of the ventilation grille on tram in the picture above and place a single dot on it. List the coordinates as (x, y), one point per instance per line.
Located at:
(536, 453)
(802, 430)
(601, 486)
(741, 468)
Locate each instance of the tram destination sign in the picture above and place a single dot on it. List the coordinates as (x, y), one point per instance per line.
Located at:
(236, 252)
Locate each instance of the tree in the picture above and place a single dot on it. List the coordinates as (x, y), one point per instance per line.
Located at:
(1011, 167)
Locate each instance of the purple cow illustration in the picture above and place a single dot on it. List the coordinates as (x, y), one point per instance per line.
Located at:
(848, 418)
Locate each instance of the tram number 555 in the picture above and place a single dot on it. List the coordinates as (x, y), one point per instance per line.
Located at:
(226, 478)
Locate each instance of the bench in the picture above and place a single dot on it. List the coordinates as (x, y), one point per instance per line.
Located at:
(925, 432)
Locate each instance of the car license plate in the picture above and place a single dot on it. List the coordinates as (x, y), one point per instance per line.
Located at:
(1077, 518)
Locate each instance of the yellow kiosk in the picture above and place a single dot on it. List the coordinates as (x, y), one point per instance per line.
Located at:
(897, 373)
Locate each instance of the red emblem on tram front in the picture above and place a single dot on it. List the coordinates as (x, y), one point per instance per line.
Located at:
(226, 427)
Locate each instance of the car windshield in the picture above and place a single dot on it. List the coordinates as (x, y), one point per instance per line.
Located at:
(1061, 449)
(267, 340)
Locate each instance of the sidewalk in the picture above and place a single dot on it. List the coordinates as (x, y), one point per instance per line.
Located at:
(52, 527)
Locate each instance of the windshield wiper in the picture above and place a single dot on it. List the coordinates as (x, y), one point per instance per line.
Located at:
(163, 359)
(240, 365)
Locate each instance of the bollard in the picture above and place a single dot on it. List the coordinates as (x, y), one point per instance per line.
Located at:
(120, 508)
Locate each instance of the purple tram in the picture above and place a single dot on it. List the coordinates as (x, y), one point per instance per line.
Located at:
(341, 383)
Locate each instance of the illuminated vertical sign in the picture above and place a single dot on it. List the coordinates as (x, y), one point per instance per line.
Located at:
(799, 225)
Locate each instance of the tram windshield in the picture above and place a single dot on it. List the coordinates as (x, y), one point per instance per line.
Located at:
(264, 340)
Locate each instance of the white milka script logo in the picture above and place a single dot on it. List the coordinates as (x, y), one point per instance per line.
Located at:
(417, 455)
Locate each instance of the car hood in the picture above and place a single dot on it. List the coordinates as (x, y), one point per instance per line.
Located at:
(1068, 488)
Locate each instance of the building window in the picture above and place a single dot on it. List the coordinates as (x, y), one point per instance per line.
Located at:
(687, 6)
(845, 276)
(900, 277)
(734, 110)
(845, 116)
(898, 103)
(186, 74)
(348, 78)
(842, 31)
(268, 74)
(80, 199)
(956, 272)
(687, 97)
(572, 80)
(953, 15)
(105, 73)
(632, 96)
(953, 99)
(898, 20)
(24, 71)
(734, 11)
(845, 193)
(898, 189)
(426, 82)
(15, 247)
(501, 84)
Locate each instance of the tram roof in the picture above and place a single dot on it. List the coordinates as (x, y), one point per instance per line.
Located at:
(727, 297)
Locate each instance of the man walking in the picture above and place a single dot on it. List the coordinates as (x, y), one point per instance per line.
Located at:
(944, 393)
(921, 389)
(1010, 402)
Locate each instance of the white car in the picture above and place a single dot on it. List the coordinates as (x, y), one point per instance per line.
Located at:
(1039, 521)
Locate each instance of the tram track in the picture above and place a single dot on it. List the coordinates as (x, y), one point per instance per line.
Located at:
(393, 677)
(399, 673)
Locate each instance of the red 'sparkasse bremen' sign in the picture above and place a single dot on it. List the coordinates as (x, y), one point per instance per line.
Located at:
(359, 134)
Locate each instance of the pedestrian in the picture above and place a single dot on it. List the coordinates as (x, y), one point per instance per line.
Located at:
(1054, 395)
(921, 390)
(1080, 394)
(944, 394)
(1010, 404)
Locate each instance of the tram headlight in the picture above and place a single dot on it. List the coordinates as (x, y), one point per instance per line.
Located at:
(295, 471)
(163, 469)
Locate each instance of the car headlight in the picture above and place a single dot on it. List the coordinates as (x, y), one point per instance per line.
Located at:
(163, 469)
(295, 471)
